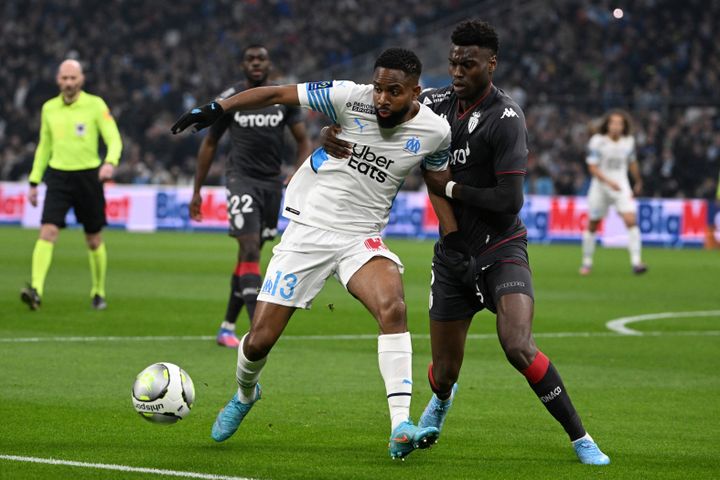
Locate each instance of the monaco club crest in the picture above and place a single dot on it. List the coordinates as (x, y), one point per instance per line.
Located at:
(473, 121)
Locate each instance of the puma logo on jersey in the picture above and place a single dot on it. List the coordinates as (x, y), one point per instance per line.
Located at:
(509, 112)
(360, 124)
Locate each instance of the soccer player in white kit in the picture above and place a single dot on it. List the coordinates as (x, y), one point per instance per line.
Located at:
(611, 153)
(338, 208)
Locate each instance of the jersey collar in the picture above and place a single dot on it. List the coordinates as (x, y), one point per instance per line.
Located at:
(483, 101)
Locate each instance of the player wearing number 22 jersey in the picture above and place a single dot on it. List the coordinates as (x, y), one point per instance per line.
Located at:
(337, 209)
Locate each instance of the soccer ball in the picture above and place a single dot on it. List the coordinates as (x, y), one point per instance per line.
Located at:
(163, 393)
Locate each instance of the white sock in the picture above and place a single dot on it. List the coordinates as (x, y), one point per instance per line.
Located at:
(584, 437)
(227, 326)
(634, 245)
(588, 248)
(395, 359)
(247, 374)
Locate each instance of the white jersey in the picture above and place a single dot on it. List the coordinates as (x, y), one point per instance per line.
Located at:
(612, 157)
(355, 195)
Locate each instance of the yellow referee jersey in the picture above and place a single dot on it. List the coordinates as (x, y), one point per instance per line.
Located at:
(69, 135)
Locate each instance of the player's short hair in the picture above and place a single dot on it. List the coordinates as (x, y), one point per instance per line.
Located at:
(627, 120)
(251, 46)
(476, 32)
(400, 59)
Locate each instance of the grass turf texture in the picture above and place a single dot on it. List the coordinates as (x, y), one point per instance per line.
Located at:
(650, 401)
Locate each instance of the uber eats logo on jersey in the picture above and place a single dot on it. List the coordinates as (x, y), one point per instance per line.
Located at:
(368, 163)
(259, 119)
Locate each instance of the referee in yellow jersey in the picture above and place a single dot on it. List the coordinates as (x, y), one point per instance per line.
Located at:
(67, 156)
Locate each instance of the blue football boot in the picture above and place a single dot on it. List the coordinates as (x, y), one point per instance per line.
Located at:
(436, 411)
(589, 453)
(230, 417)
(407, 437)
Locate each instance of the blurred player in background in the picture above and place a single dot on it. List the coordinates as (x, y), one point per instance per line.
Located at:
(485, 264)
(338, 208)
(611, 153)
(67, 160)
(253, 179)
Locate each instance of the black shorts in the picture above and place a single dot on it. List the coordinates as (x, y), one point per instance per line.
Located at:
(252, 208)
(502, 271)
(80, 190)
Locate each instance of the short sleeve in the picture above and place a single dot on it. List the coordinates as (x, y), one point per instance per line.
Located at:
(326, 97)
(632, 155)
(439, 159)
(593, 150)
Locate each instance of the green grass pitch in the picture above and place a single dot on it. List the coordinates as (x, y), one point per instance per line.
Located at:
(651, 401)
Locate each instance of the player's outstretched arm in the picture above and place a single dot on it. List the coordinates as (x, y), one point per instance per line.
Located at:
(205, 115)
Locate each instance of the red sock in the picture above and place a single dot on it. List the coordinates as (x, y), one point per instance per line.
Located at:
(243, 268)
(537, 369)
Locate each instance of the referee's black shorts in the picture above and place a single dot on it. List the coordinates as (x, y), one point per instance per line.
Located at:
(499, 272)
(79, 189)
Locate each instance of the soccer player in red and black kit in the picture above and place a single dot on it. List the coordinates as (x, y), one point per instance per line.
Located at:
(254, 181)
(485, 263)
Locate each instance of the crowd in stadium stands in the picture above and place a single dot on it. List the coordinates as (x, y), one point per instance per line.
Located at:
(564, 65)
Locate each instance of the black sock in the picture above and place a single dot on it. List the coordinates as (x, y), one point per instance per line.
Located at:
(249, 286)
(552, 393)
(235, 302)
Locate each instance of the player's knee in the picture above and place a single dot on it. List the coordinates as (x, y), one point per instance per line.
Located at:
(93, 241)
(393, 316)
(519, 352)
(256, 347)
(49, 233)
(250, 253)
(249, 249)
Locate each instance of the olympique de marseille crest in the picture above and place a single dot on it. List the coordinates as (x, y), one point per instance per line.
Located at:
(474, 121)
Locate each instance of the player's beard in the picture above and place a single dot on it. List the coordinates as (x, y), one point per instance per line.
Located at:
(394, 119)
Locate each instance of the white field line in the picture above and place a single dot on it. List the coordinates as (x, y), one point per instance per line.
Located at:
(618, 325)
(472, 336)
(122, 468)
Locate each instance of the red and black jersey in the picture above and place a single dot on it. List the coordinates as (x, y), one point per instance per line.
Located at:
(257, 138)
(489, 139)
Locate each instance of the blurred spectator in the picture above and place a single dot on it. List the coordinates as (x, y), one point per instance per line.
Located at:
(565, 62)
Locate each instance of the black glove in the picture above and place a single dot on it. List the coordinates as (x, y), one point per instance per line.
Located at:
(454, 252)
(201, 117)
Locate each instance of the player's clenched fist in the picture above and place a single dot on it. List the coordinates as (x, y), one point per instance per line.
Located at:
(200, 117)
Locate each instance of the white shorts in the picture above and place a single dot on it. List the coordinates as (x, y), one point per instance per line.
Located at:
(306, 256)
(601, 197)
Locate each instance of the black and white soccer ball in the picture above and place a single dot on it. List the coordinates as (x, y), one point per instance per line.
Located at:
(163, 393)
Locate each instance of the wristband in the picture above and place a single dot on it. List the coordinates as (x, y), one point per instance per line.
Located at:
(449, 188)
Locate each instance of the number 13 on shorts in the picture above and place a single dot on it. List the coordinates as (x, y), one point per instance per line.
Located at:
(280, 284)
